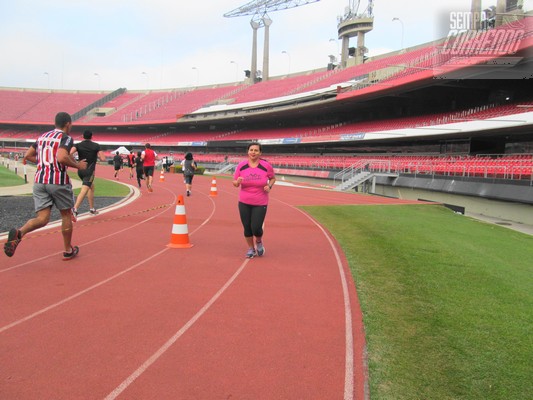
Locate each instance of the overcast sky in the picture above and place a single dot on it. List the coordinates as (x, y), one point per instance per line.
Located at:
(161, 44)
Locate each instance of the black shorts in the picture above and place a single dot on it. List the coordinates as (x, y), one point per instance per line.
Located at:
(149, 171)
(86, 176)
(188, 179)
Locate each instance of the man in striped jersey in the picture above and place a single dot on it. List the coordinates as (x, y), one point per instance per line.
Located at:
(51, 153)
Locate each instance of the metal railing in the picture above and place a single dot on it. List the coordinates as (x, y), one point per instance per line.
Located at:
(375, 166)
(521, 170)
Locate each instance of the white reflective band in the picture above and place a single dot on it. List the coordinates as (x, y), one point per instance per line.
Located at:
(180, 210)
(179, 229)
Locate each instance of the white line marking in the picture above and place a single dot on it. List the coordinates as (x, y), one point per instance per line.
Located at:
(349, 356)
(84, 244)
(58, 223)
(348, 376)
(132, 196)
(75, 295)
(153, 358)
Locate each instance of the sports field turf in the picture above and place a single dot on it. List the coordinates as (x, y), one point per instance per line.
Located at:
(447, 301)
(9, 178)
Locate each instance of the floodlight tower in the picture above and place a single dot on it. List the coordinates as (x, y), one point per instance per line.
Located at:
(259, 10)
(475, 10)
(504, 12)
(351, 24)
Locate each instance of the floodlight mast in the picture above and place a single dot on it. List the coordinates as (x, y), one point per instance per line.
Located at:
(259, 10)
(258, 6)
(355, 24)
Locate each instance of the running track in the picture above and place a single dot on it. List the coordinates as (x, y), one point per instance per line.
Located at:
(131, 318)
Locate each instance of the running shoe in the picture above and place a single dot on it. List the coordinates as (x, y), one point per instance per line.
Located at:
(260, 249)
(188, 193)
(251, 253)
(75, 212)
(13, 239)
(93, 211)
(74, 252)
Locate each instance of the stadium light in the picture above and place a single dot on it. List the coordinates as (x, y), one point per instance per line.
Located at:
(336, 47)
(147, 79)
(236, 70)
(197, 75)
(99, 79)
(400, 21)
(288, 55)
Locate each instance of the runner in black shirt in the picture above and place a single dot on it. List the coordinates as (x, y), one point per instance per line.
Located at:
(139, 168)
(117, 163)
(90, 151)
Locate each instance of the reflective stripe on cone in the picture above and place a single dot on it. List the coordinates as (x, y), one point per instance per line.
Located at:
(213, 191)
(180, 232)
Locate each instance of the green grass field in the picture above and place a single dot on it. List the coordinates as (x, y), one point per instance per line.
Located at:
(105, 188)
(9, 178)
(447, 301)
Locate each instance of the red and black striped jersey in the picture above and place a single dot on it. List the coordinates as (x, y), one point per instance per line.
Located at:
(49, 170)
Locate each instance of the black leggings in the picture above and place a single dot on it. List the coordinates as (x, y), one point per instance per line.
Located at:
(140, 174)
(252, 218)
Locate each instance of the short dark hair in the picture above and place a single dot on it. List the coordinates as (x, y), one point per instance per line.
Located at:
(62, 119)
(87, 134)
(256, 144)
(188, 156)
(147, 145)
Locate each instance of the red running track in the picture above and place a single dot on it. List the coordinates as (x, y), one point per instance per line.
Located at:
(132, 318)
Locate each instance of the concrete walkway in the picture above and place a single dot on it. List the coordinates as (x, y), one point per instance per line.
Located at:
(519, 227)
(27, 171)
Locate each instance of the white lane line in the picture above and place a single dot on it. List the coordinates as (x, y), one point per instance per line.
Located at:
(132, 196)
(153, 358)
(83, 244)
(78, 294)
(348, 331)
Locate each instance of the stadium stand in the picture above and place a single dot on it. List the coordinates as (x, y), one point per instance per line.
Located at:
(390, 115)
(161, 106)
(16, 103)
(277, 88)
(42, 107)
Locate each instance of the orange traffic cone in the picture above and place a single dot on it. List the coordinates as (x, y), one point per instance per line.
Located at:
(213, 187)
(162, 176)
(180, 232)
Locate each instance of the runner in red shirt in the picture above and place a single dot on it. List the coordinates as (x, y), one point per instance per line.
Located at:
(131, 162)
(148, 157)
